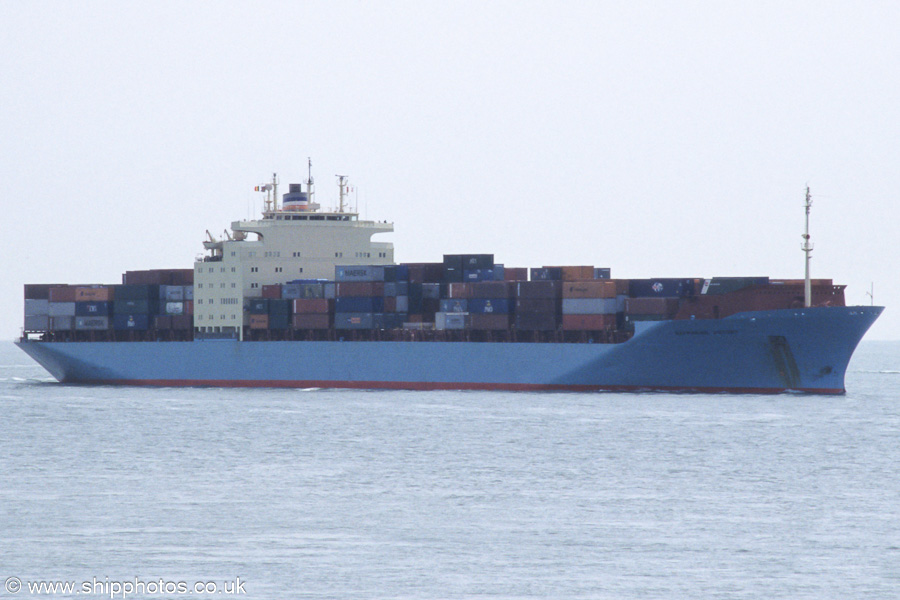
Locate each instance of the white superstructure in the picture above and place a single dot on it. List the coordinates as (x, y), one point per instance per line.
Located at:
(295, 241)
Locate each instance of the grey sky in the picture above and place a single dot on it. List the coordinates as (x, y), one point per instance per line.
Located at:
(655, 138)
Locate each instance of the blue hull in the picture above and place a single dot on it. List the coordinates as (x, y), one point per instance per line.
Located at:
(761, 352)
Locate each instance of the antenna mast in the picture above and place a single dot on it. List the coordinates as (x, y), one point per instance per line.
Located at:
(309, 180)
(807, 248)
(341, 180)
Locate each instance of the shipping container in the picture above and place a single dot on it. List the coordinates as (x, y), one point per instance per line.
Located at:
(311, 321)
(651, 306)
(515, 274)
(454, 305)
(538, 289)
(402, 304)
(489, 322)
(159, 276)
(330, 290)
(61, 309)
(188, 292)
(425, 272)
(360, 320)
(396, 288)
(146, 292)
(546, 274)
(38, 322)
(182, 322)
(489, 305)
(174, 308)
(171, 293)
(450, 320)
(537, 305)
(162, 322)
(277, 306)
(34, 308)
(303, 306)
(589, 289)
(394, 273)
(94, 293)
(38, 291)
(459, 290)
(359, 273)
(279, 320)
(189, 307)
(134, 306)
(134, 321)
(475, 275)
(578, 273)
(588, 322)
(491, 289)
(660, 287)
(536, 321)
(272, 291)
(259, 321)
(452, 275)
(590, 306)
(499, 273)
(93, 309)
(91, 323)
(62, 323)
(476, 261)
(61, 293)
(359, 288)
(725, 285)
(602, 273)
(359, 304)
(390, 304)
(431, 290)
(257, 306)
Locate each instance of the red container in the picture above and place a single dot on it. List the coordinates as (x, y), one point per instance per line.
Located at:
(259, 321)
(538, 289)
(425, 272)
(272, 291)
(159, 277)
(459, 290)
(359, 288)
(182, 322)
(515, 274)
(390, 304)
(94, 293)
(189, 307)
(651, 306)
(311, 321)
(306, 306)
(575, 273)
(588, 322)
(489, 322)
(162, 322)
(491, 289)
(595, 288)
(62, 293)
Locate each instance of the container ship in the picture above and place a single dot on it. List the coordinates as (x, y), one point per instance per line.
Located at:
(303, 297)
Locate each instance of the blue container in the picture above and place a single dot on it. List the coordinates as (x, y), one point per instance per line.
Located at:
(602, 273)
(354, 320)
(454, 305)
(475, 275)
(279, 308)
(660, 288)
(258, 306)
(359, 304)
(359, 273)
(499, 273)
(396, 288)
(137, 321)
(92, 309)
(486, 306)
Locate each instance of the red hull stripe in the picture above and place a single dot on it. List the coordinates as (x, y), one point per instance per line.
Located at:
(441, 385)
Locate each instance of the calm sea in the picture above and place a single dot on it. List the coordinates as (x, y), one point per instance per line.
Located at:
(350, 494)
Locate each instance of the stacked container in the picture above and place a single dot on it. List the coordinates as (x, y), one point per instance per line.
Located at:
(490, 306)
(61, 307)
(538, 305)
(133, 306)
(37, 308)
(589, 305)
(93, 307)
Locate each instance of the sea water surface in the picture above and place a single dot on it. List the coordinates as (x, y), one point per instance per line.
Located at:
(386, 494)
